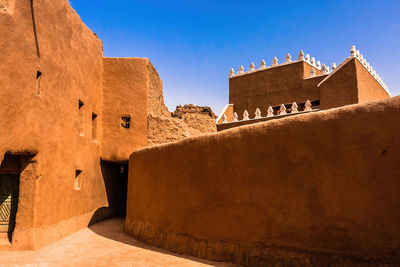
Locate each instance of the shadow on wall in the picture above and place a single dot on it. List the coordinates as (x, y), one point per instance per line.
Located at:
(115, 177)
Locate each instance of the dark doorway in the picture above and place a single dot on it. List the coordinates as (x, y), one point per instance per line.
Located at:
(10, 170)
(115, 177)
(9, 191)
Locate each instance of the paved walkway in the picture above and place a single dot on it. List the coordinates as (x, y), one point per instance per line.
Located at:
(103, 244)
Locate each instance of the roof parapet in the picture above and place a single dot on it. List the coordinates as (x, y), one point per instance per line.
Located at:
(288, 58)
(301, 55)
(275, 63)
(356, 54)
(280, 111)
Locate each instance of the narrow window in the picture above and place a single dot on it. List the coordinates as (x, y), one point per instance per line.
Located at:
(77, 185)
(81, 130)
(38, 78)
(126, 122)
(94, 126)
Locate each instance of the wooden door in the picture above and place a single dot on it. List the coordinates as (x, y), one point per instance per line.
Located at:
(9, 188)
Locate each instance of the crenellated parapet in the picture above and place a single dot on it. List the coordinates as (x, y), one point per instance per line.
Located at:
(295, 79)
(288, 60)
(354, 53)
(273, 111)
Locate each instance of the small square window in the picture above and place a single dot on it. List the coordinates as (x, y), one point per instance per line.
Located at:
(126, 122)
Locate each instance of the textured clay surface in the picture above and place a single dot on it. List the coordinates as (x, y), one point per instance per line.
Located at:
(288, 83)
(61, 106)
(45, 69)
(317, 189)
(103, 244)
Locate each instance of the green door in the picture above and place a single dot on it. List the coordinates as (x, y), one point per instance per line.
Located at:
(9, 187)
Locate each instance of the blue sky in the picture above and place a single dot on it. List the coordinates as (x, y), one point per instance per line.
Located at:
(193, 44)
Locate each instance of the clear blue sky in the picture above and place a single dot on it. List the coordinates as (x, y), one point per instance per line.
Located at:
(193, 44)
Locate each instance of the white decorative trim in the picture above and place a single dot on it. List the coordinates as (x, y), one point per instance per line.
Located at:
(245, 115)
(270, 67)
(270, 112)
(231, 73)
(356, 54)
(235, 117)
(241, 70)
(282, 110)
(263, 65)
(294, 108)
(301, 55)
(252, 67)
(288, 58)
(222, 113)
(324, 69)
(274, 62)
(308, 59)
(281, 114)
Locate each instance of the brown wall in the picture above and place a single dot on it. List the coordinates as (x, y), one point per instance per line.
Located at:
(350, 84)
(228, 111)
(162, 127)
(304, 190)
(283, 84)
(126, 90)
(368, 88)
(341, 87)
(71, 65)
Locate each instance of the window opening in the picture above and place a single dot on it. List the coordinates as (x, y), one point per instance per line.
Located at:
(126, 122)
(94, 126)
(81, 129)
(38, 78)
(77, 185)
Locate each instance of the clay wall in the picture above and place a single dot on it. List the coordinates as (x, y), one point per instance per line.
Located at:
(167, 129)
(341, 87)
(283, 84)
(50, 61)
(228, 112)
(304, 190)
(126, 93)
(368, 88)
(162, 127)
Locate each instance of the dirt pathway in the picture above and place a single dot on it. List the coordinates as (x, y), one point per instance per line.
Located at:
(103, 244)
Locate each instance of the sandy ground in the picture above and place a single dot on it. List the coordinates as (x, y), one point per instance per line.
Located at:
(103, 244)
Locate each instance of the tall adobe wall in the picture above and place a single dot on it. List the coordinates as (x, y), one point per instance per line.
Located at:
(283, 84)
(165, 128)
(61, 109)
(126, 93)
(317, 189)
(132, 87)
(46, 67)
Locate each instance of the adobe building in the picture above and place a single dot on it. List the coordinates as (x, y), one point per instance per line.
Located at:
(69, 119)
(313, 179)
(300, 85)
